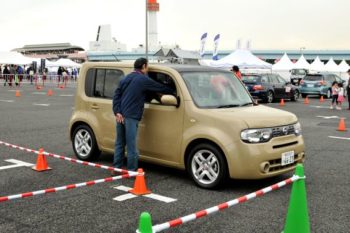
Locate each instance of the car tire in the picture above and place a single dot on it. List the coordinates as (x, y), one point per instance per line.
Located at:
(269, 97)
(303, 95)
(295, 96)
(84, 143)
(207, 166)
(329, 94)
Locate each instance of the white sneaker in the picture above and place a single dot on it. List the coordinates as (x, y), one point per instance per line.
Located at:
(338, 108)
(331, 107)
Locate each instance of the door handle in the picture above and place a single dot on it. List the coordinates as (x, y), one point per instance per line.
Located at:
(95, 106)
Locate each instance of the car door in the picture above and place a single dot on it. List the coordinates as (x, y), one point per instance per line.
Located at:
(161, 127)
(276, 85)
(105, 81)
(285, 89)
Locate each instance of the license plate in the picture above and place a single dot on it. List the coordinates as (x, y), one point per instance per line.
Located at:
(287, 158)
(310, 85)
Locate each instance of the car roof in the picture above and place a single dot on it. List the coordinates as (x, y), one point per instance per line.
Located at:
(190, 68)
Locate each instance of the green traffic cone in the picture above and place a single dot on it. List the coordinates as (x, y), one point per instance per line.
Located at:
(297, 217)
(145, 224)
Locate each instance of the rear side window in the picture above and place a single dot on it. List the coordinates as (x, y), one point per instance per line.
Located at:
(252, 79)
(102, 83)
(313, 78)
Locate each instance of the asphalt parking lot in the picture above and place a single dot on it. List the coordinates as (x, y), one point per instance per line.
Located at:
(36, 120)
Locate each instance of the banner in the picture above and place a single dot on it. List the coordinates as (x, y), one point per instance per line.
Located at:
(216, 44)
(203, 40)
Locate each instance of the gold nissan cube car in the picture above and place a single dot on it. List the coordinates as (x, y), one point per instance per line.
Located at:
(211, 127)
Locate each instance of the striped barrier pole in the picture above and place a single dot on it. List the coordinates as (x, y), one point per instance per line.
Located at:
(70, 159)
(67, 187)
(206, 212)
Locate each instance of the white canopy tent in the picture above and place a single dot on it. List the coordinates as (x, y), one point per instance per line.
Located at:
(283, 67)
(283, 64)
(302, 63)
(14, 58)
(331, 66)
(343, 66)
(64, 62)
(242, 58)
(317, 65)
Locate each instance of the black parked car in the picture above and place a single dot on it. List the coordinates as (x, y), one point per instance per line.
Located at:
(269, 87)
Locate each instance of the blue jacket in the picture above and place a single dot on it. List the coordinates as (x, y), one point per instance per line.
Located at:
(129, 98)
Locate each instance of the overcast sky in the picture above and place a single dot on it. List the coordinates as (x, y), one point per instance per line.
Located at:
(269, 24)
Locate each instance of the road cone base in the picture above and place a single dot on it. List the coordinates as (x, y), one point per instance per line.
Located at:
(342, 130)
(41, 170)
(138, 193)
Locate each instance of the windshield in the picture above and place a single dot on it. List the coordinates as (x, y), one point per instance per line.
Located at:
(251, 79)
(313, 78)
(298, 72)
(216, 89)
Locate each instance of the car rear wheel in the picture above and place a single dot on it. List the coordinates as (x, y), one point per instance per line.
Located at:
(295, 96)
(207, 166)
(84, 143)
(269, 97)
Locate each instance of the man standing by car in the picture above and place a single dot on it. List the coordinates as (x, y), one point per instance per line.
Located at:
(348, 89)
(128, 104)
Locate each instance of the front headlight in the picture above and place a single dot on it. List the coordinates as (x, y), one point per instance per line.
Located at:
(297, 129)
(256, 135)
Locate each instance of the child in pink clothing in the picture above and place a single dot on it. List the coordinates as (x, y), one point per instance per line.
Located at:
(340, 95)
(335, 91)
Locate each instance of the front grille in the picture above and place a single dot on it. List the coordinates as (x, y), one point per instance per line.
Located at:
(283, 131)
(275, 164)
(285, 144)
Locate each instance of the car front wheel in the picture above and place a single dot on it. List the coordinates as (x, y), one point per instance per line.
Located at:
(84, 143)
(329, 94)
(207, 166)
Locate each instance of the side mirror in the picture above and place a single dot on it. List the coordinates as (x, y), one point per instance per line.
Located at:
(169, 100)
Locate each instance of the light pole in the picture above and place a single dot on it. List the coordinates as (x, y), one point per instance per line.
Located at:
(146, 47)
(301, 50)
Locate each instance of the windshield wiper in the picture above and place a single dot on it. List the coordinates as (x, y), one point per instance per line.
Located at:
(228, 106)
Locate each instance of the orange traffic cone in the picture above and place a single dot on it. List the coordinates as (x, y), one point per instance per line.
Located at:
(49, 92)
(341, 126)
(140, 184)
(41, 163)
(18, 93)
(321, 99)
(62, 86)
(38, 87)
(282, 102)
(306, 100)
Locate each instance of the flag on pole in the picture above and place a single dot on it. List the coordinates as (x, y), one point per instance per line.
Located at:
(215, 51)
(203, 40)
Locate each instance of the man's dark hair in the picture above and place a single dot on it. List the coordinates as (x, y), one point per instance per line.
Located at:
(235, 68)
(140, 62)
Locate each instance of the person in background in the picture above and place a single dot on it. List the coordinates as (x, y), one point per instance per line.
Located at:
(335, 91)
(128, 104)
(6, 74)
(348, 89)
(236, 71)
(340, 96)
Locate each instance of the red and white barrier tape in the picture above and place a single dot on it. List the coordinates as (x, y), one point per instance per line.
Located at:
(67, 187)
(202, 213)
(70, 159)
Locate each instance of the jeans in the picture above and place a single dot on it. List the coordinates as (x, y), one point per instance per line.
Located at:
(126, 136)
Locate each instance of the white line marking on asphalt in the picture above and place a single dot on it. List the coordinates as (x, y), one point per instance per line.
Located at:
(160, 198)
(66, 95)
(14, 90)
(38, 93)
(46, 105)
(329, 117)
(122, 188)
(130, 195)
(7, 101)
(339, 138)
(317, 106)
(125, 197)
(17, 163)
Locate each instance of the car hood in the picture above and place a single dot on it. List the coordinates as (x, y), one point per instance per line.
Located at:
(258, 116)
